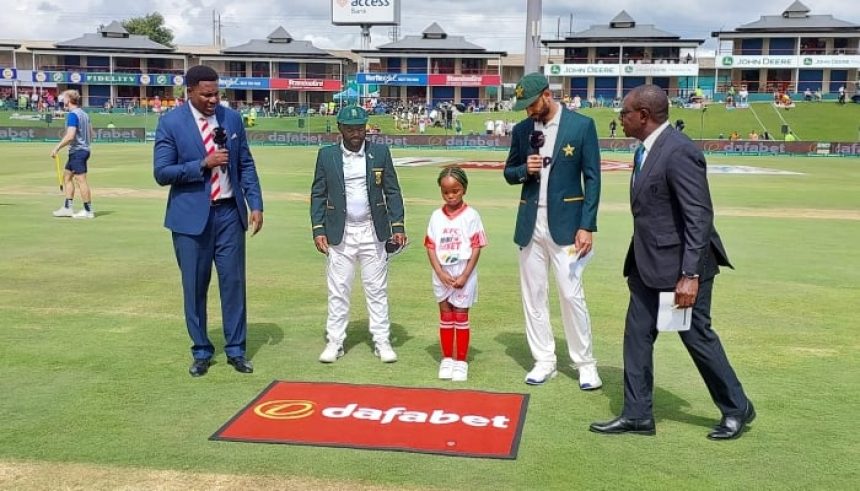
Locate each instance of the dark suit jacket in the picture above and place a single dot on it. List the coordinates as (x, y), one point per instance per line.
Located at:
(673, 218)
(573, 190)
(178, 159)
(328, 193)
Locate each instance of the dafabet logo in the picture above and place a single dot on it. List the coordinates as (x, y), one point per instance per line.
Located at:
(451, 422)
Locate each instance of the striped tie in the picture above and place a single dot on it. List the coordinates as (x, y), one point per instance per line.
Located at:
(209, 145)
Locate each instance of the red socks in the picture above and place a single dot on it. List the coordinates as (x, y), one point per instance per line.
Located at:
(446, 333)
(461, 326)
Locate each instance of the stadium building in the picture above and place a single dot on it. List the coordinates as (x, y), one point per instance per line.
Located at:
(603, 62)
(278, 72)
(432, 68)
(791, 52)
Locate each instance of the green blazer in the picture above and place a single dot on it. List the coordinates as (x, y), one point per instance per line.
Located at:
(573, 190)
(328, 193)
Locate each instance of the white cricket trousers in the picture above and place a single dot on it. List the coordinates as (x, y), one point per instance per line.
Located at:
(359, 244)
(535, 261)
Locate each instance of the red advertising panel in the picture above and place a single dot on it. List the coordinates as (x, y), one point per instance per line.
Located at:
(315, 84)
(464, 423)
(452, 80)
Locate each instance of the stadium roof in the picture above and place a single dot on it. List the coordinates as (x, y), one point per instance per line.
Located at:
(434, 39)
(113, 37)
(622, 28)
(278, 43)
(795, 18)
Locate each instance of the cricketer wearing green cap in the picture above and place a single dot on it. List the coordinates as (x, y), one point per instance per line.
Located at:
(555, 157)
(356, 206)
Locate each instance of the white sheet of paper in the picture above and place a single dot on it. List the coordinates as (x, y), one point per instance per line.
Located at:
(577, 265)
(670, 318)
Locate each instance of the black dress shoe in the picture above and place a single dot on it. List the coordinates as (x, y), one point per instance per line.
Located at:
(624, 425)
(241, 364)
(199, 367)
(732, 427)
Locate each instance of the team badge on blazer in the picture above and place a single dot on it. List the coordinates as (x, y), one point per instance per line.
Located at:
(568, 150)
(377, 174)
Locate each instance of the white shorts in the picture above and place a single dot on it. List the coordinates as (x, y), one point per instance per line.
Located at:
(461, 298)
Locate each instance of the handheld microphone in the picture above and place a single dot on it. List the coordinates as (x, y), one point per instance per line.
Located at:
(219, 137)
(536, 141)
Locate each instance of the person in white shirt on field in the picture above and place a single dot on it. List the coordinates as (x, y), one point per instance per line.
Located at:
(455, 236)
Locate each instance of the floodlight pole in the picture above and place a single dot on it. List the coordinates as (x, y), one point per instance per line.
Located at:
(365, 46)
(702, 125)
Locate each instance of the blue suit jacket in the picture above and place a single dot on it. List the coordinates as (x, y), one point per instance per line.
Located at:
(573, 190)
(178, 159)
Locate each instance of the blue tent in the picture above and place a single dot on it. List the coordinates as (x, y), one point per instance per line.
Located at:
(348, 94)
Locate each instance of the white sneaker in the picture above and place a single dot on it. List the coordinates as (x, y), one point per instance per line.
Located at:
(588, 378)
(84, 214)
(540, 374)
(384, 352)
(63, 212)
(461, 371)
(446, 369)
(331, 353)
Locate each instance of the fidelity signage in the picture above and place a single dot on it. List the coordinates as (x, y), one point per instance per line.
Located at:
(454, 422)
(8, 73)
(391, 78)
(450, 80)
(112, 79)
(365, 12)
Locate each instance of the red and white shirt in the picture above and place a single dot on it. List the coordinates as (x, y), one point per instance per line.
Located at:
(455, 236)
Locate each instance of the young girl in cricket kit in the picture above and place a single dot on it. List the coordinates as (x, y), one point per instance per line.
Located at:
(455, 236)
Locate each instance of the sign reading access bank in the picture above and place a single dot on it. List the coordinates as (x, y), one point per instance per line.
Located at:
(464, 423)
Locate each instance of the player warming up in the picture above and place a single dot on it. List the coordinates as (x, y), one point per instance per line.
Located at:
(455, 236)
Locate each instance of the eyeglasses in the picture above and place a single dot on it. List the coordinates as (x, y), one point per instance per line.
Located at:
(625, 112)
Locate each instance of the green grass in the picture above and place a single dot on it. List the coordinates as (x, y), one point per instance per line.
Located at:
(95, 351)
(810, 121)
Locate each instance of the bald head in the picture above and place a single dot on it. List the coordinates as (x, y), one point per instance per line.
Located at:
(654, 99)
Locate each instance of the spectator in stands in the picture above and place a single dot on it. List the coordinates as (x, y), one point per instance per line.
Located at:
(743, 95)
(612, 127)
(752, 135)
(807, 95)
(790, 136)
(841, 99)
(679, 125)
(818, 97)
(766, 135)
(734, 136)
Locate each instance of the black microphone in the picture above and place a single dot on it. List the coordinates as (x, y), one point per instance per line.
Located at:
(536, 141)
(219, 137)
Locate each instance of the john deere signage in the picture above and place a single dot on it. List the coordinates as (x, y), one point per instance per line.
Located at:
(747, 61)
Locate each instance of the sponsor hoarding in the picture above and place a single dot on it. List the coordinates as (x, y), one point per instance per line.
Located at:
(452, 80)
(391, 78)
(306, 84)
(365, 12)
(802, 61)
(8, 74)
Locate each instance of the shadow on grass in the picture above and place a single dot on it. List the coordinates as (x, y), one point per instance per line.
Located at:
(262, 334)
(357, 332)
(104, 213)
(435, 352)
(667, 406)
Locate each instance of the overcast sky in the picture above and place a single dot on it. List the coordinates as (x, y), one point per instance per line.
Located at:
(491, 24)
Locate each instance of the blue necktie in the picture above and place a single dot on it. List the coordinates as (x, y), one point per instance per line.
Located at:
(638, 159)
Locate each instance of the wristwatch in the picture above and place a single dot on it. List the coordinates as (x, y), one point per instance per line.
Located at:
(691, 276)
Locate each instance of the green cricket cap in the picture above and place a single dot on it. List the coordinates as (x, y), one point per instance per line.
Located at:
(352, 114)
(529, 88)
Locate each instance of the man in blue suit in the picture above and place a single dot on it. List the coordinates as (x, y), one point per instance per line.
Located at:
(555, 157)
(201, 151)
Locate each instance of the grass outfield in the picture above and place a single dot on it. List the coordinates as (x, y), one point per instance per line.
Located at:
(826, 121)
(95, 351)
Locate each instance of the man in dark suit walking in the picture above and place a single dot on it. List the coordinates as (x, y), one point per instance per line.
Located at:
(555, 157)
(675, 247)
(202, 153)
(356, 206)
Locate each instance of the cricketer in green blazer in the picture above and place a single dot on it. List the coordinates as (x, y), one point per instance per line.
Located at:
(328, 194)
(573, 190)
